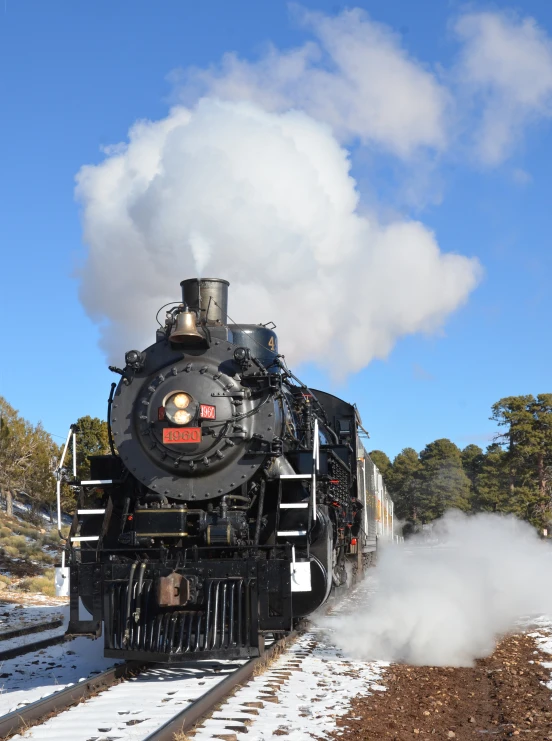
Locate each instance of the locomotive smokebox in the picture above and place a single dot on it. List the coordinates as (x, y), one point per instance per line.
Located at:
(207, 296)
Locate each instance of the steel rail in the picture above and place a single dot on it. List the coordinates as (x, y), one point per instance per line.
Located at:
(26, 648)
(59, 701)
(205, 704)
(7, 635)
(62, 700)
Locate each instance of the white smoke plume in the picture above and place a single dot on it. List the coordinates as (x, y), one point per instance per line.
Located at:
(447, 605)
(265, 200)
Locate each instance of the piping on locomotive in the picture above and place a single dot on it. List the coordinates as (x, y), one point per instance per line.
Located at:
(234, 502)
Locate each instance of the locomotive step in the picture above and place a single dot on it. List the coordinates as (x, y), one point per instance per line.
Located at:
(291, 533)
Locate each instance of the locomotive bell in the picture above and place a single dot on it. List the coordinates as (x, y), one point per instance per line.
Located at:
(185, 329)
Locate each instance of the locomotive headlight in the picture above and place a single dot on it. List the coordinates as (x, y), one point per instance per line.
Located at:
(182, 417)
(181, 400)
(179, 408)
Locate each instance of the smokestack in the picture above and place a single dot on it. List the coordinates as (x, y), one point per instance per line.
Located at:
(207, 296)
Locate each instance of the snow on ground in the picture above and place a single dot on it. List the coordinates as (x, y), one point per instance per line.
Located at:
(303, 691)
(31, 599)
(543, 638)
(543, 632)
(298, 697)
(14, 616)
(19, 507)
(135, 708)
(307, 688)
(35, 675)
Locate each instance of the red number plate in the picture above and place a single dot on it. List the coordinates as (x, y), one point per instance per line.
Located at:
(174, 435)
(206, 411)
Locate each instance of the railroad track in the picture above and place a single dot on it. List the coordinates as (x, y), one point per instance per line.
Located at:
(7, 635)
(210, 682)
(58, 701)
(32, 646)
(51, 637)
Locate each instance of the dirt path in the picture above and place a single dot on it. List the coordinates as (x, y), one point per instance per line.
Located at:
(502, 697)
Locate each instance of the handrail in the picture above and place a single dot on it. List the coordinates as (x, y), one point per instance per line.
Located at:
(58, 475)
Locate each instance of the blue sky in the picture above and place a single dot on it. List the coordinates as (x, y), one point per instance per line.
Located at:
(76, 75)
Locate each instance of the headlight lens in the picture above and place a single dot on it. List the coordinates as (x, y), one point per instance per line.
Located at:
(182, 417)
(181, 400)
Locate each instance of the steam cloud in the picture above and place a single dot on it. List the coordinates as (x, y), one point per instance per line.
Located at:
(266, 200)
(250, 181)
(446, 606)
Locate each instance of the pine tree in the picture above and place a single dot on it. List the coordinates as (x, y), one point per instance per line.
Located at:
(92, 439)
(383, 463)
(492, 492)
(541, 410)
(527, 443)
(514, 413)
(472, 462)
(443, 482)
(40, 484)
(16, 452)
(403, 484)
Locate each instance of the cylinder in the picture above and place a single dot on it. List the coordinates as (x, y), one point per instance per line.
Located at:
(207, 296)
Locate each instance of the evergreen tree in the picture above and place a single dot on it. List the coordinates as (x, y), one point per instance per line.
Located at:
(527, 443)
(383, 463)
(40, 483)
(472, 462)
(403, 484)
(492, 492)
(92, 439)
(16, 451)
(541, 410)
(514, 412)
(443, 482)
(26, 454)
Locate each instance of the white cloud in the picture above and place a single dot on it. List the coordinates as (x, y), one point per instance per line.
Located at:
(506, 63)
(356, 77)
(265, 200)
(521, 177)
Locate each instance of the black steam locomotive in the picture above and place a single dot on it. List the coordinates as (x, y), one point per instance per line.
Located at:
(235, 499)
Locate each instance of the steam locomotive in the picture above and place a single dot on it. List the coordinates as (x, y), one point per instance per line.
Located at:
(235, 499)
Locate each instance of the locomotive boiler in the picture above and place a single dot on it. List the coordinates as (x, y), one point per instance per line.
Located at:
(235, 499)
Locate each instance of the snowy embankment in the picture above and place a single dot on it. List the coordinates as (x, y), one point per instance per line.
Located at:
(37, 674)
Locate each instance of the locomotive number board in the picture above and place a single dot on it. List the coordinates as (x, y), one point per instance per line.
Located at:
(173, 435)
(207, 411)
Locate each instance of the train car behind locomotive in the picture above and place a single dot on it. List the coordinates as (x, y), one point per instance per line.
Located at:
(234, 501)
